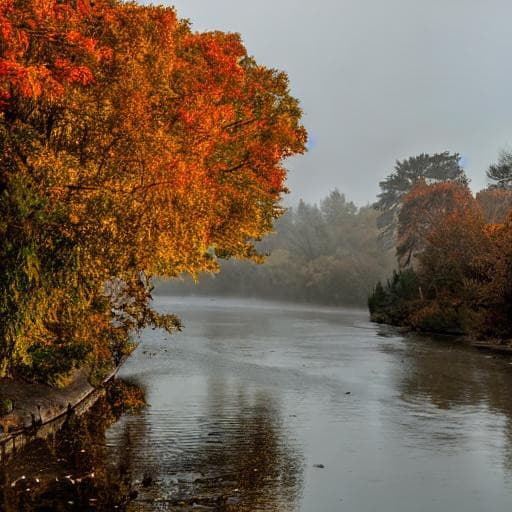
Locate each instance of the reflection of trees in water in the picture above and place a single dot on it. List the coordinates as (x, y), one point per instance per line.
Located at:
(234, 456)
(237, 458)
(452, 377)
(252, 450)
(449, 376)
(69, 470)
(255, 455)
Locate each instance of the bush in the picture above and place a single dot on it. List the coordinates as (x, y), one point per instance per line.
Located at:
(435, 317)
(52, 364)
(394, 303)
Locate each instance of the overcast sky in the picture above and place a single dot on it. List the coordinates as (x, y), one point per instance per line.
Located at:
(380, 80)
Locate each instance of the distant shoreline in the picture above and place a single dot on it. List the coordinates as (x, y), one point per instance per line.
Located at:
(491, 345)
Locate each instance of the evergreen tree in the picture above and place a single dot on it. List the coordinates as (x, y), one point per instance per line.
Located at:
(406, 173)
(501, 172)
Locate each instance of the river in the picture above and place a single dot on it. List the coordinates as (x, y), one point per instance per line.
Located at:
(259, 406)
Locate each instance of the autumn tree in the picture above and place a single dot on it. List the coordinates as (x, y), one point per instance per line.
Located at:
(441, 234)
(453, 246)
(406, 173)
(442, 248)
(494, 293)
(455, 254)
(457, 263)
(132, 147)
(496, 204)
(425, 208)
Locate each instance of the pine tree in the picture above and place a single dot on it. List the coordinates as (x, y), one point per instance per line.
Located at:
(501, 172)
(407, 173)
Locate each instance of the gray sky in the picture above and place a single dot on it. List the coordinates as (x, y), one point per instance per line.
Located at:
(380, 80)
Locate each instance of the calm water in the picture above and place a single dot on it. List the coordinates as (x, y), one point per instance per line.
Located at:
(253, 396)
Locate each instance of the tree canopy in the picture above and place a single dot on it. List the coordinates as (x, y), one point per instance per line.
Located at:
(131, 147)
(456, 253)
(496, 204)
(406, 173)
(425, 208)
(500, 173)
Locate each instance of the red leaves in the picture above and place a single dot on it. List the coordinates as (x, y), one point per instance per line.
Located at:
(44, 48)
(84, 7)
(68, 73)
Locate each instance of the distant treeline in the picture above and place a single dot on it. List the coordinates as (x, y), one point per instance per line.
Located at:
(327, 254)
(454, 249)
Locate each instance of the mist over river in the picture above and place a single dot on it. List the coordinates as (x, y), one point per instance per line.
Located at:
(253, 396)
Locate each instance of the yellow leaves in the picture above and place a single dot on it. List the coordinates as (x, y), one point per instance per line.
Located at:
(492, 230)
(58, 169)
(154, 159)
(32, 268)
(73, 218)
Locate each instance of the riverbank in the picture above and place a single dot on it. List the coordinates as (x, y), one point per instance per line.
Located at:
(490, 345)
(34, 410)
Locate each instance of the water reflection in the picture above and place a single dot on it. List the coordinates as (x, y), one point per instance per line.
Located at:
(448, 375)
(457, 394)
(232, 454)
(266, 470)
(247, 402)
(69, 471)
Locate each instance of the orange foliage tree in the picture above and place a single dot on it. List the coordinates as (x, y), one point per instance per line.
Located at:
(496, 204)
(440, 235)
(426, 208)
(457, 266)
(495, 292)
(132, 147)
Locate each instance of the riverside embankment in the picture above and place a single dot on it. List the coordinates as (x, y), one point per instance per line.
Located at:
(38, 410)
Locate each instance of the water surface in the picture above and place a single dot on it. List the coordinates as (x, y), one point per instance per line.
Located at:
(249, 401)
(252, 395)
